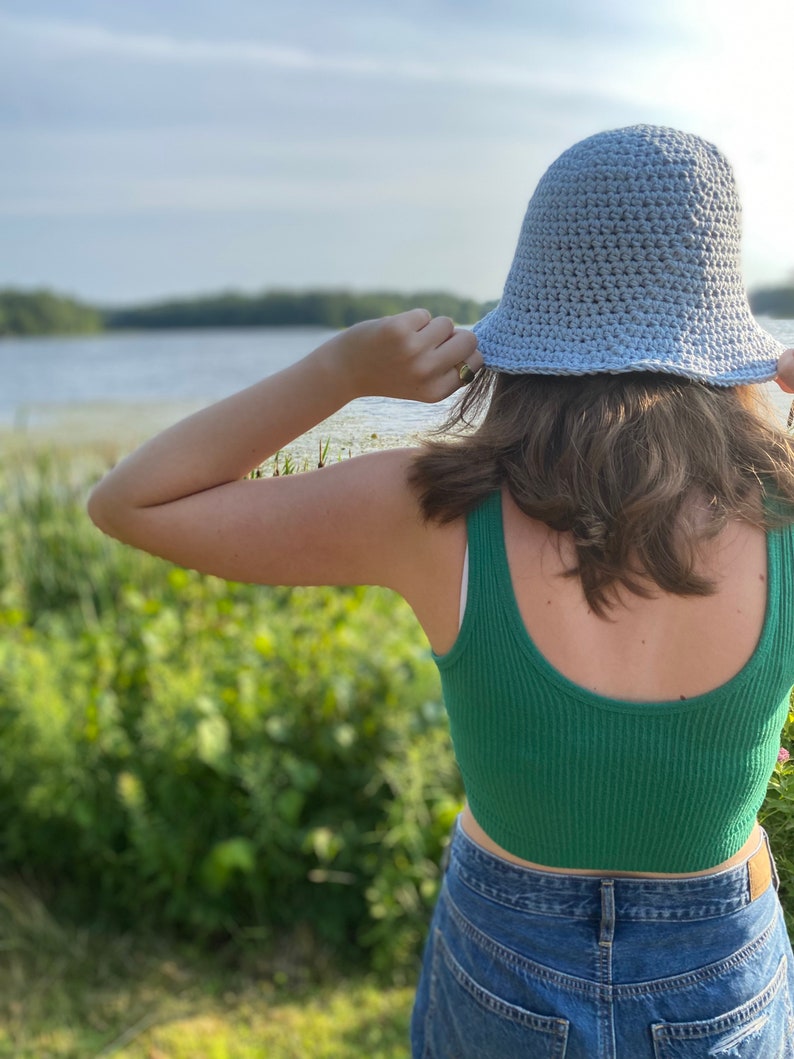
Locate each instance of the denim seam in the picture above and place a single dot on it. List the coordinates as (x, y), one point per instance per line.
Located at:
(429, 1015)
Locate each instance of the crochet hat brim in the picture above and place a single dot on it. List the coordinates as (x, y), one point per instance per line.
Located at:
(743, 354)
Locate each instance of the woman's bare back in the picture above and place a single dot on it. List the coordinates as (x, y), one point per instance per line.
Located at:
(658, 649)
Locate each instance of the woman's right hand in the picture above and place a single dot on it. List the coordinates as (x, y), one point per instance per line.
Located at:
(412, 356)
(785, 371)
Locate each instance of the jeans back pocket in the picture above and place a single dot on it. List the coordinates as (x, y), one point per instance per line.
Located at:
(763, 1028)
(466, 1021)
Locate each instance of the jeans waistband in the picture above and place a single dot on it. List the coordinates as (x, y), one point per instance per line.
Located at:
(582, 896)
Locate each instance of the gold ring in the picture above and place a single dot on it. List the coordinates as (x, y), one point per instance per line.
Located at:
(465, 374)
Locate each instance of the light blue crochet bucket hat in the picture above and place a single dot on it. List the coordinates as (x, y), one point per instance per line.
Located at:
(628, 260)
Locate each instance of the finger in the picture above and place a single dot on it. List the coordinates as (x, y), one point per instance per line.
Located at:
(467, 370)
(462, 346)
(437, 331)
(456, 362)
(475, 361)
(417, 319)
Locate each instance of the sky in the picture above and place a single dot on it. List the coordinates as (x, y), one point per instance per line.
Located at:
(177, 147)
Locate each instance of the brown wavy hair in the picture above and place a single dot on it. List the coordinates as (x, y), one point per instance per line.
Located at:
(638, 468)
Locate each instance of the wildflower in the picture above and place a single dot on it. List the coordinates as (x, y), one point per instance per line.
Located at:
(783, 755)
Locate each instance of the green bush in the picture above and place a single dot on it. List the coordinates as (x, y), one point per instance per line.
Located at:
(220, 759)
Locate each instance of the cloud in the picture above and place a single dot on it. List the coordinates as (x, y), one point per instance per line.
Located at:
(708, 60)
(549, 63)
(64, 38)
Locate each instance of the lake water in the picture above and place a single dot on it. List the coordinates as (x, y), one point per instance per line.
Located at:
(122, 386)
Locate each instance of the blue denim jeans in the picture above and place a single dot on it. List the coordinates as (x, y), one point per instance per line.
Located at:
(523, 963)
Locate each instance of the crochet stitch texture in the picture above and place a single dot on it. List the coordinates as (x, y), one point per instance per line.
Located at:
(629, 260)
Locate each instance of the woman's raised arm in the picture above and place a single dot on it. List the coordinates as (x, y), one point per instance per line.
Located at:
(183, 495)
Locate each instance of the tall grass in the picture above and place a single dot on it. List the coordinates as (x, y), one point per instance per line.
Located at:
(75, 992)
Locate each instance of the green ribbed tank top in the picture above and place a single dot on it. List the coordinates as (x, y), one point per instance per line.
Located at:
(561, 776)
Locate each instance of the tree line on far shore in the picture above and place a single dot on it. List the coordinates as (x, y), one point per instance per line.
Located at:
(777, 302)
(43, 312)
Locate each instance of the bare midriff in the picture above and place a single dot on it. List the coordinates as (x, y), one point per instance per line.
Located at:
(476, 834)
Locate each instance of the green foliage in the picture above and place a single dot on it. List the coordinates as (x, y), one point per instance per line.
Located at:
(219, 760)
(43, 313)
(281, 308)
(777, 817)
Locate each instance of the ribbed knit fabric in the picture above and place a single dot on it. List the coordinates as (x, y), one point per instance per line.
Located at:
(563, 777)
(629, 260)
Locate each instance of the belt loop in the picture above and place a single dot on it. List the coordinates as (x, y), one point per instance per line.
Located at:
(607, 912)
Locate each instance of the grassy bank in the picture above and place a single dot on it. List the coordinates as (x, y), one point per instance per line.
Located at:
(74, 993)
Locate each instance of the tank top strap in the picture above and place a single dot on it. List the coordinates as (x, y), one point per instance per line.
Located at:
(486, 544)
